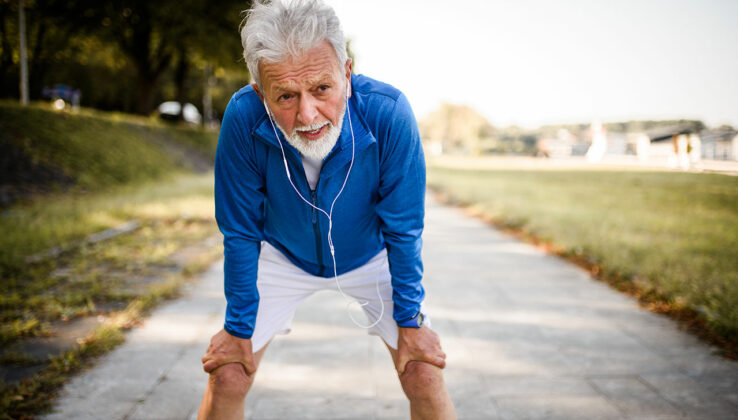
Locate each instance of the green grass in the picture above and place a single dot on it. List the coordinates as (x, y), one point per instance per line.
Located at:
(97, 150)
(62, 219)
(96, 278)
(674, 236)
(107, 157)
(121, 168)
(172, 213)
(87, 172)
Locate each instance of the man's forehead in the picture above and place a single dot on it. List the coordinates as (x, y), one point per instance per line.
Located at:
(317, 65)
(290, 84)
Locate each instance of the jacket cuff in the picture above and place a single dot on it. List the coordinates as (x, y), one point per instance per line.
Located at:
(234, 333)
(405, 314)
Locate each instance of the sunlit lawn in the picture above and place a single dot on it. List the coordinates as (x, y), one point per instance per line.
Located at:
(109, 170)
(675, 235)
(121, 277)
(172, 214)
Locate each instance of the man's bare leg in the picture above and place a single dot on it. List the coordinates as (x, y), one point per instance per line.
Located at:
(225, 394)
(424, 387)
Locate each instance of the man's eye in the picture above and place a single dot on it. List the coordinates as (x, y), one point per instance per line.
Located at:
(285, 97)
(323, 88)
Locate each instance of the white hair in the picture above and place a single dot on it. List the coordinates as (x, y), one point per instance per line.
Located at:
(275, 30)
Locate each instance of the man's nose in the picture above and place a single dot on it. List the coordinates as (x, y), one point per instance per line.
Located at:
(308, 110)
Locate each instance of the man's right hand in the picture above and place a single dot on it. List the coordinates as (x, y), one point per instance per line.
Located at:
(225, 348)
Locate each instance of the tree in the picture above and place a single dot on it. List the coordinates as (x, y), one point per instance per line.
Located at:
(143, 42)
(153, 34)
(48, 29)
(458, 127)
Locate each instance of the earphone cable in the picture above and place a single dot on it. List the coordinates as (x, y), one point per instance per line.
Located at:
(330, 218)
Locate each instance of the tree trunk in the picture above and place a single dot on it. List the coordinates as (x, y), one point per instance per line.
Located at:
(38, 63)
(145, 99)
(180, 80)
(149, 64)
(23, 64)
(207, 97)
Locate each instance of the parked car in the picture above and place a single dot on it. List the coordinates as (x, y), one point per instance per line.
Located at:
(170, 111)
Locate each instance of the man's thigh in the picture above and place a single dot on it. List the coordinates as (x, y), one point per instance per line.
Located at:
(282, 287)
(371, 286)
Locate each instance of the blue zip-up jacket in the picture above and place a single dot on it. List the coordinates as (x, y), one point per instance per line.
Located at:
(382, 205)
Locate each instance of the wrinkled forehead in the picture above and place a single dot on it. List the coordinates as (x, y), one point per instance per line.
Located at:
(317, 65)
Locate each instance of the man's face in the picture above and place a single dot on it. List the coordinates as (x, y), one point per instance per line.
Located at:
(306, 96)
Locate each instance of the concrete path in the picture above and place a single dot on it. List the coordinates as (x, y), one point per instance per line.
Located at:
(528, 336)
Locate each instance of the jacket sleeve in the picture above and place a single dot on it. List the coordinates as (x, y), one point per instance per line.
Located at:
(239, 211)
(401, 208)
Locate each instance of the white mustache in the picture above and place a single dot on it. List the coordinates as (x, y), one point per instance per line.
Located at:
(311, 127)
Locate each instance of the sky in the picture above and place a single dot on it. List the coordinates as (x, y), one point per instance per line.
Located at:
(536, 62)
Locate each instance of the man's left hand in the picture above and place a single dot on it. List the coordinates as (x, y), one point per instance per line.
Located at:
(421, 344)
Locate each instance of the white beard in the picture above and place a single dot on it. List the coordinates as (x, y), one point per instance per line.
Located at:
(320, 148)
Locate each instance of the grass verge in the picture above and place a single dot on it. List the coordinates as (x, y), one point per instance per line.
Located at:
(64, 177)
(171, 214)
(27, 398)
(44, 151)
(668, 238)
(118, 280)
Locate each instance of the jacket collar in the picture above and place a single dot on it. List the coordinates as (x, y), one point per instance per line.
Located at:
(341, 153)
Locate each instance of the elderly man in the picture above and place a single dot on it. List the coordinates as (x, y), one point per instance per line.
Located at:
(319, 184)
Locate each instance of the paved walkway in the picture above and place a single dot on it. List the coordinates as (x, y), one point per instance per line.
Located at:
(528, 336)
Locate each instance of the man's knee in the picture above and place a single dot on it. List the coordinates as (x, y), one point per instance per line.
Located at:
(421, 381)
(231, 381)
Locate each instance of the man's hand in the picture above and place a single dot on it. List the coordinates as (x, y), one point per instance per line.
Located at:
(225, 348)
(421, 344)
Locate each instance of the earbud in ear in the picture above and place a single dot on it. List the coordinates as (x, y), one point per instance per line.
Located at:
(347, 90)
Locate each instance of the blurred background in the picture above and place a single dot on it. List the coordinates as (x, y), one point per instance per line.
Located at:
(554, 78)
(533, 78)
(603, 131)
(127, 56)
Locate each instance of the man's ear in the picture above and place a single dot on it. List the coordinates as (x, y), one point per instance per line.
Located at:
(348, 75)
(258, 92)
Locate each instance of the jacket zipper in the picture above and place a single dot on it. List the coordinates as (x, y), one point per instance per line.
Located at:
(316, 229)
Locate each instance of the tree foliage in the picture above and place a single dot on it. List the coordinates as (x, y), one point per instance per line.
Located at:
(125, 54)
(459, 128)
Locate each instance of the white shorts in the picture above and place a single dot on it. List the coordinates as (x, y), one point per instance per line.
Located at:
(283, 286)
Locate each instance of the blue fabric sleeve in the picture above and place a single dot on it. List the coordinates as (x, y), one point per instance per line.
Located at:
(401, 208)
(239, 211)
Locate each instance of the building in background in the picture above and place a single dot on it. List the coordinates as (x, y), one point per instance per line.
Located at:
(720, 144)
(564, 144)
(677, 146)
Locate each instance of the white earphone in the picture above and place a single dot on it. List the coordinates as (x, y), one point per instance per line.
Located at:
(329, 214)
